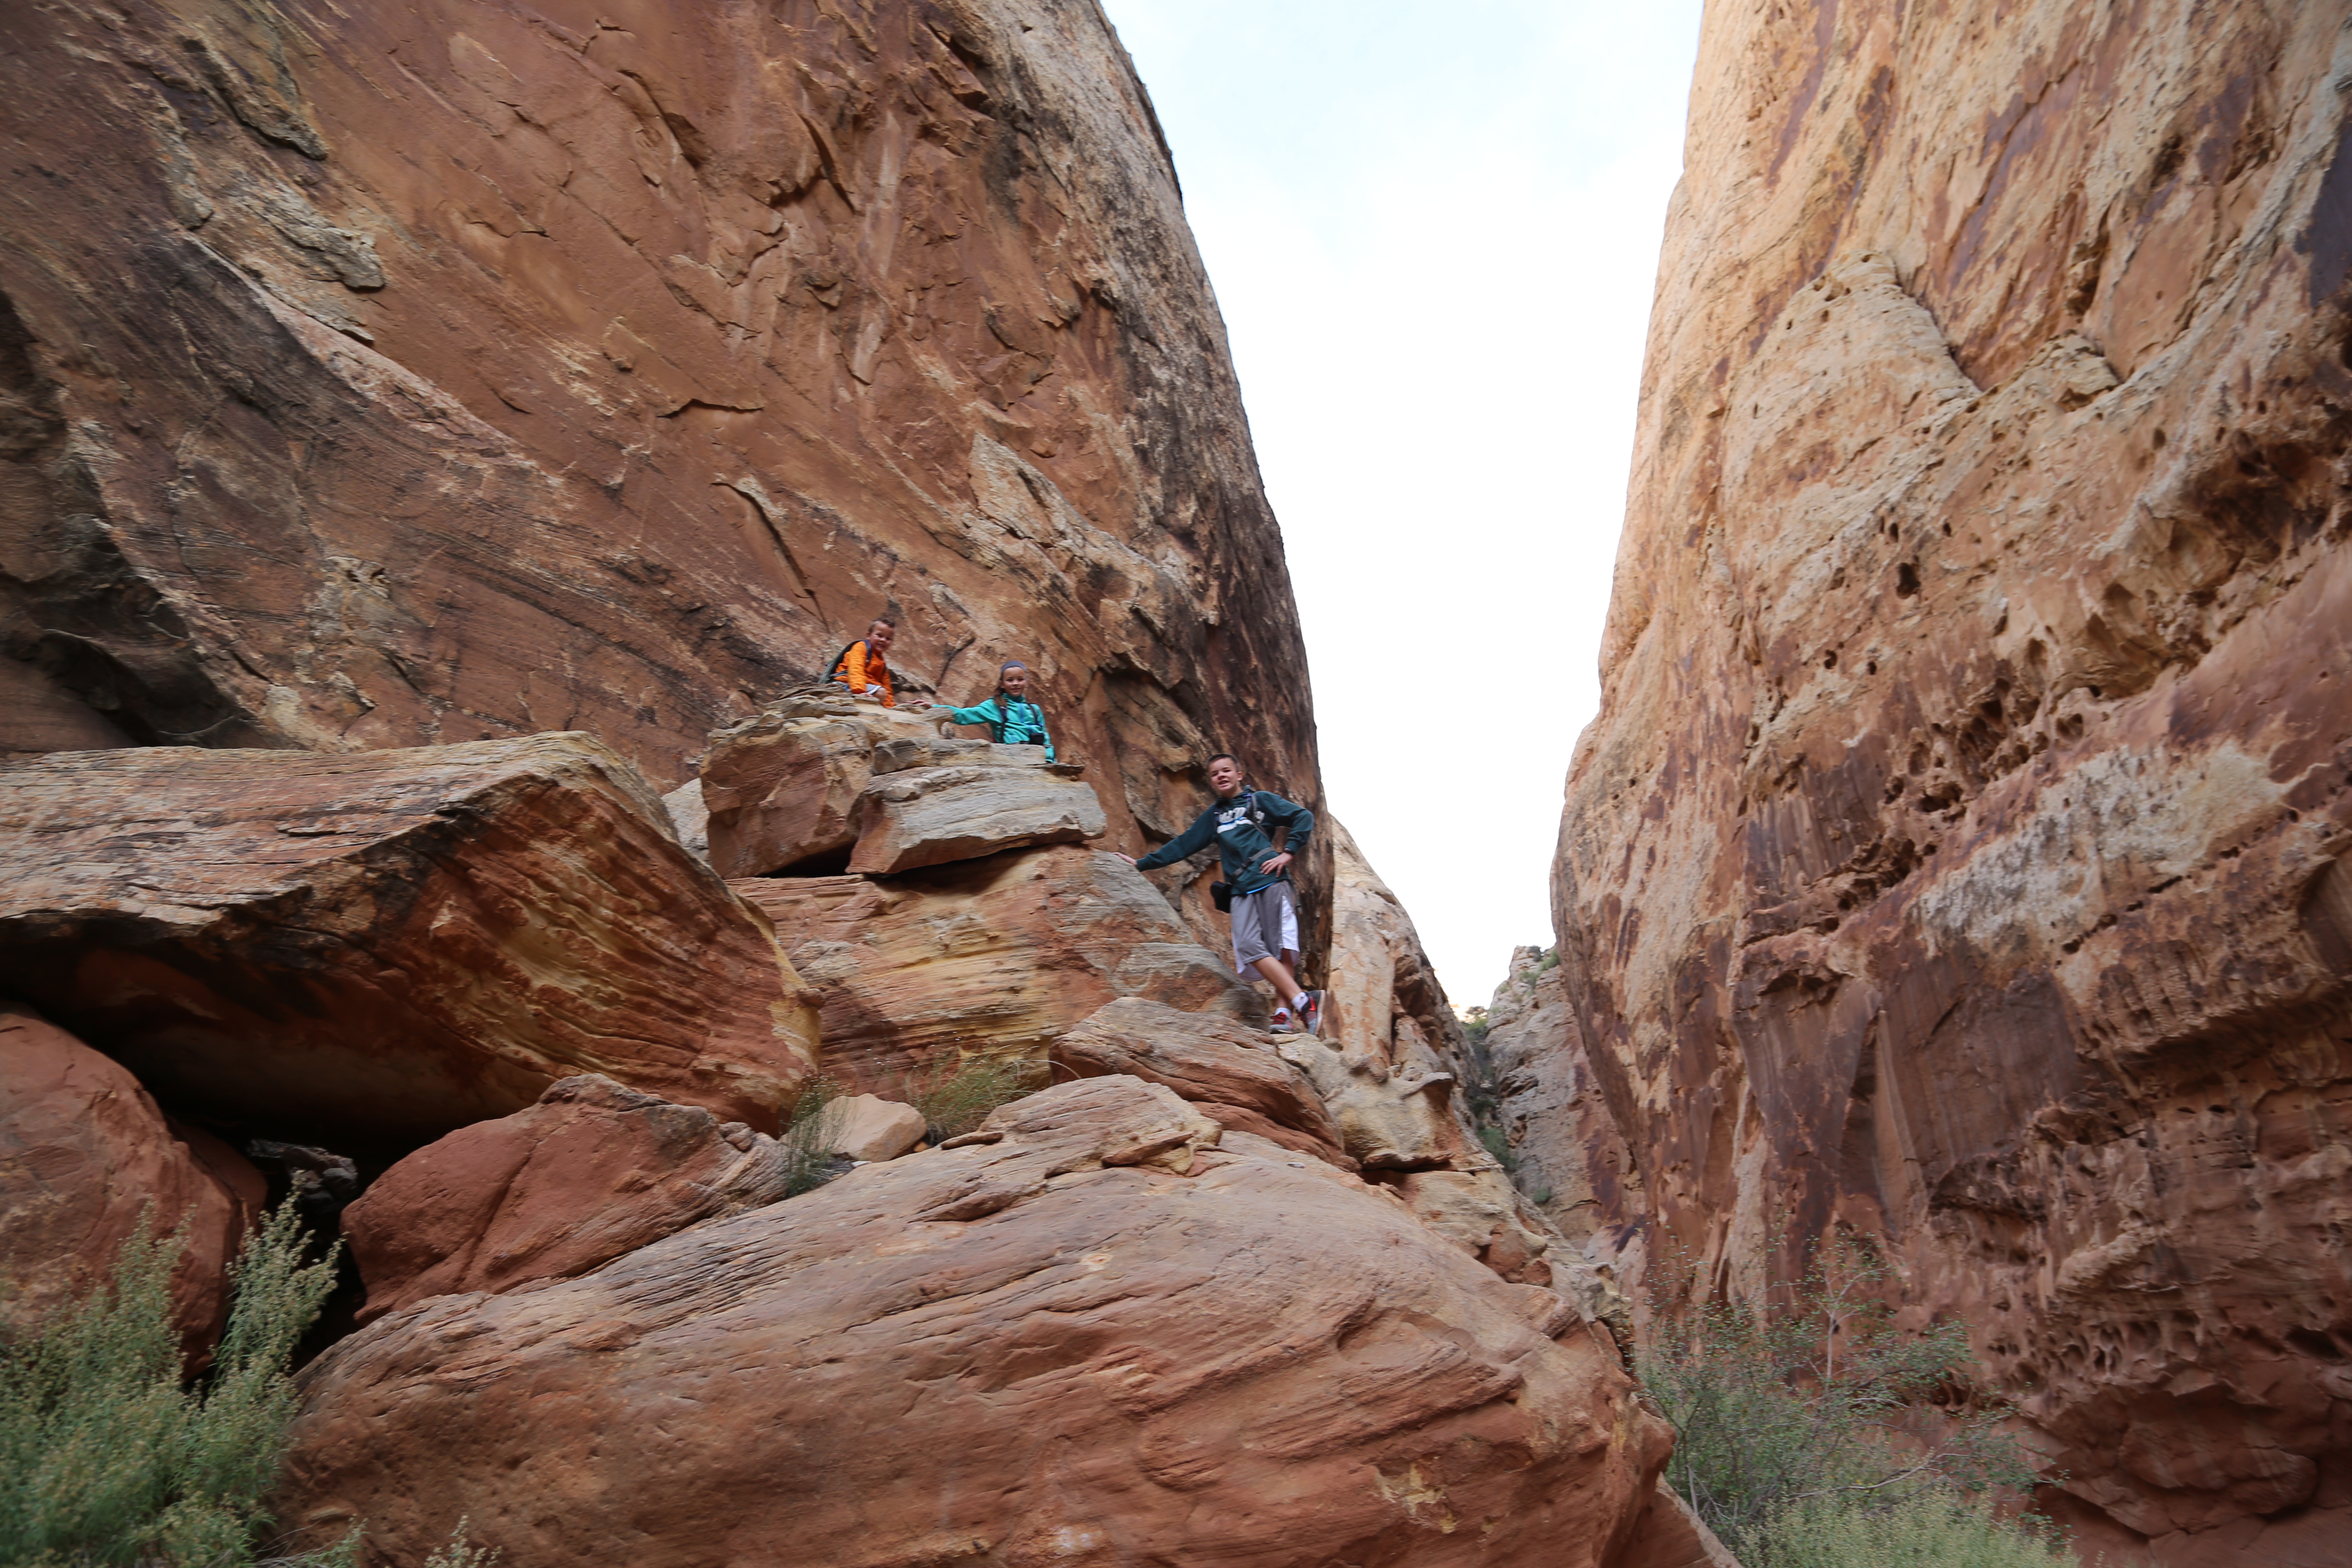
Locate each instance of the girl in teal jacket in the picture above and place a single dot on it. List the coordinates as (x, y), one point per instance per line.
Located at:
(1012, 719)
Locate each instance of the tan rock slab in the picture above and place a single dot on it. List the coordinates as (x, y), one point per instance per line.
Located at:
(385, 945)
(690, 817)
(83, 1152)
(1213, 1059)
(591, 1172)
(867, 1127)
(928, 816)
(1086, 1356)
(899, 753)
(993, 957)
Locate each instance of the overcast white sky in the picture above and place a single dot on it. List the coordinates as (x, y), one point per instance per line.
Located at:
(1434, 232)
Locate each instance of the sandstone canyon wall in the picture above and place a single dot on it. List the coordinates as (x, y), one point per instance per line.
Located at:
(386, 376)
(1958, 858)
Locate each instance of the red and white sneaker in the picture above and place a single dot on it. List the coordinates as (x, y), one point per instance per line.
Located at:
(1281, 1023)
(1310, 1017)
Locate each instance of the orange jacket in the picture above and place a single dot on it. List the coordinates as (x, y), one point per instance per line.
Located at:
(860, 667)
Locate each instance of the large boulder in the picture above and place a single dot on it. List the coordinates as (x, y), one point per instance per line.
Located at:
(820, 783)
(1085, 1337)
(1228, 1069)
(868, 1127)
(84, 1154)
(386, 945)
(781, 790)
(591, 1172)
(995, 956)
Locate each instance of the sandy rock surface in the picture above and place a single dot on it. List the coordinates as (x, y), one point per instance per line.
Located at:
(83, 1149)
(1000, 955)
(389, 944)
(1958, 855)
(928, 816)
(1228, 1069)
(590, 1171)
(1057, 1347)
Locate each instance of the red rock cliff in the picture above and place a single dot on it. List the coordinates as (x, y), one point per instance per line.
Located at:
(1958, 855)
(378, 377)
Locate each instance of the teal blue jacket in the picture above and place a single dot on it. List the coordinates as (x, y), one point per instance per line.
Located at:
(1240, 844)
(1014, 722)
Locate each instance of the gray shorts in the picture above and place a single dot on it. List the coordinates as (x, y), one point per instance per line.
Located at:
(1266, 925)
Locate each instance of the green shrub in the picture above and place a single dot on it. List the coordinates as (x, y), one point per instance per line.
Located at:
(1937, 1528)
(958, 1096)
(1817, 1410)
(105, 1458)
(1497, 1143)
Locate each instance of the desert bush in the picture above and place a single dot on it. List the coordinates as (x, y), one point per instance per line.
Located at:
(957, 1096)
(106, 1457)
(808, 1140)
(457, 1553)
(1935, 1527)
(1814, 1414)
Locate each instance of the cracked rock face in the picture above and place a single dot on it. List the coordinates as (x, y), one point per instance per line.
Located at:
(1566, 1152)
(1959, 854)
(1085, 1335)
(387, 376)
(997, 956)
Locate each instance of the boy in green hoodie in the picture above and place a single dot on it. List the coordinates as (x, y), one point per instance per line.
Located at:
(1243, 825)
